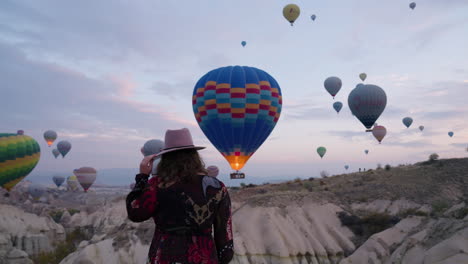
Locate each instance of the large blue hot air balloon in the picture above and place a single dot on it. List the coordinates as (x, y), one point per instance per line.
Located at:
(450, 134)
(407, 121)
(412, 5)
(367, 102)
(337, 106)
(243, 43)
(237, 107)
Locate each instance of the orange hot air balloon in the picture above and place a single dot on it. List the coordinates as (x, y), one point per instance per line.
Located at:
(379, 132)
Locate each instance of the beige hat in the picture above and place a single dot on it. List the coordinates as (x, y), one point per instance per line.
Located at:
(178, 139)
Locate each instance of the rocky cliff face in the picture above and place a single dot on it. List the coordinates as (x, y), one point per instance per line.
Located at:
(297, 222)
(309, 232)
(24, 234)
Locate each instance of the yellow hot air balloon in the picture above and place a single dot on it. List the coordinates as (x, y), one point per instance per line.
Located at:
(291, 13)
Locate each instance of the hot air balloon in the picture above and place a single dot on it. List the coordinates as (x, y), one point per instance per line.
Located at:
(291, 13)
(367, 102)
(321, 151)
(58, 180)
(379, 133)
(72, 183)
(407, 121)
(19, 154)
(450, 134)
(86, 176)
(151, 147)
(55, 152)
(313, 17)
(337, 106)
(412, 5)
(20, 132)
(346, 167)
(50, 136)
(332, 85)
(213, 171)
(63, 147)
(363, 76)
(237, 107)
(36, 190)
(421, 128)
(366, 151)
(243, 43)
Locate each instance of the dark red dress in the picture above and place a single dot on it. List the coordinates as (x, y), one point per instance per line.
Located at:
(185, 215)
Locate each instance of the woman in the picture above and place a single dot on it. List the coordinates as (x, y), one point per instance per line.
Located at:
(185, 205)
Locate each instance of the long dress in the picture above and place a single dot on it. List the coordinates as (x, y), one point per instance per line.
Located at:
(193, 219)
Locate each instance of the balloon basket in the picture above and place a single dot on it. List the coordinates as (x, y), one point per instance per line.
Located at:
(237, 175)
(368, 130)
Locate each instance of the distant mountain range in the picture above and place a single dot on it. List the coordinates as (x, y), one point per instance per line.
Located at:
(125, 176)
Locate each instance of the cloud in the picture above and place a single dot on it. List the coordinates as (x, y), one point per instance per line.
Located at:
(37, 96)
(444, 115)
(460, 145)
(349, 135)
(174, 91)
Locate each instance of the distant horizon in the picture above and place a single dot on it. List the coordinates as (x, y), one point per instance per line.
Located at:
(46, 177)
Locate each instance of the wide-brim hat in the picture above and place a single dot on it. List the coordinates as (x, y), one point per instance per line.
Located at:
(177, 140)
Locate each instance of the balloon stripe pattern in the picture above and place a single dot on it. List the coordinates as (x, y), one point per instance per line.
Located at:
(19, 154)
(237, 107)
(86, 177)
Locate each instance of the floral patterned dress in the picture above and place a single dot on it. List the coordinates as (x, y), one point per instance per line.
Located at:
(193, 219)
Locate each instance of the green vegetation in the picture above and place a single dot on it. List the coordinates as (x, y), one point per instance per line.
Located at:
(412, 211)
(461, 213)
(366, 226)
(438, 207)
(56, 215)
(73, 211)
(324, 174)
(308, 185)
(433, 157)
(62, 249)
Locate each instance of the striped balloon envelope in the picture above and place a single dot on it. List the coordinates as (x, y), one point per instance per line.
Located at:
(86, 176)
(237, 108)
(19, 154)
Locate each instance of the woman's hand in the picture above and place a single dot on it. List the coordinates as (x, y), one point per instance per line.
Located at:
(146, 164)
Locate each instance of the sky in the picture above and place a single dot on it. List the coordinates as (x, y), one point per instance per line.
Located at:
(110, 75)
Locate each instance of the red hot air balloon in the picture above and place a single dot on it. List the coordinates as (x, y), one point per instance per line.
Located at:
(86, 176)
(379, 133)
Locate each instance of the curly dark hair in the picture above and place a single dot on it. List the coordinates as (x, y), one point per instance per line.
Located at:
(180, 165)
